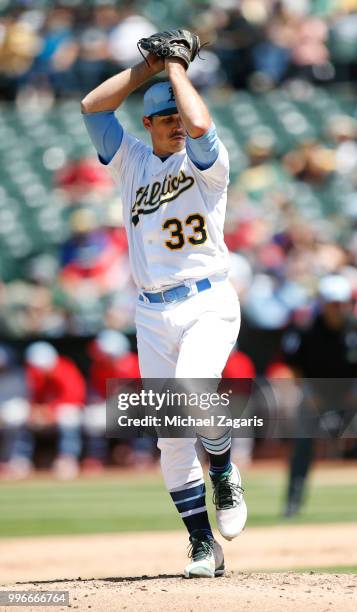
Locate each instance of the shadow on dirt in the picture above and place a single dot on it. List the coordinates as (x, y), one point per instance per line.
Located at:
(109, 579)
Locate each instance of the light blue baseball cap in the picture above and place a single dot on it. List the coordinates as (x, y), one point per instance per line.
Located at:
(159, 99)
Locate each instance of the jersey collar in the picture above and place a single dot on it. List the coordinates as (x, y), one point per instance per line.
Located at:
(158, 165)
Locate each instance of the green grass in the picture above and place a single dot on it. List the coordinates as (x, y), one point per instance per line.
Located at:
(113, 504)
(325, 503)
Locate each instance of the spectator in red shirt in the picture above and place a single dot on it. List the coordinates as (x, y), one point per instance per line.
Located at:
(54, 381)
(83, 177)
(111, 357)
(93, 254)
(56, 396)
(240, 366)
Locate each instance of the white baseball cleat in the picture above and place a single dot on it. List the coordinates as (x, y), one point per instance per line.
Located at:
(231, 509)
(207, 560)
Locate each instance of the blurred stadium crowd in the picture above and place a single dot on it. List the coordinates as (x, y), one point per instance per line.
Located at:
(69, 45)
(292, 203)
(45, 396)
(279, 79)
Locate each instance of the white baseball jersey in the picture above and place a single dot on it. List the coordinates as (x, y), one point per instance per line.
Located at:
(173, 214)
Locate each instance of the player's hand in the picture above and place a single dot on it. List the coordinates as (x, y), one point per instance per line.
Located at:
(156, 63)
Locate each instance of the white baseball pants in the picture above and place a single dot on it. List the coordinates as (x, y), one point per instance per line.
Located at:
(189, 339)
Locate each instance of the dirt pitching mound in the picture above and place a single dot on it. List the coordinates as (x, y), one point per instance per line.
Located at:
(143, 571)
(288, 592)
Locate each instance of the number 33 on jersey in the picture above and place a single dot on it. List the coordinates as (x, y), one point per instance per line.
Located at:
(199, 235)
(173, 214)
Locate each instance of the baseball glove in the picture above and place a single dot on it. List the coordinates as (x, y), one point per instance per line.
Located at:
(172, 43)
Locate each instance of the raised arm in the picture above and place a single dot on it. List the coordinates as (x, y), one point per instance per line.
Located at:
(111, 93)
(192, 109)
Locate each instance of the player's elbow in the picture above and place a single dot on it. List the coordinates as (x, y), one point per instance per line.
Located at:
(86, 105)
(90, 104)
(198, 128)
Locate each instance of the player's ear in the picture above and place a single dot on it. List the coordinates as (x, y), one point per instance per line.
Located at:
(147, 123)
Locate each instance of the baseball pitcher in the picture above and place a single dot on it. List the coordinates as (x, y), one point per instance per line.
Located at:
(187, 316)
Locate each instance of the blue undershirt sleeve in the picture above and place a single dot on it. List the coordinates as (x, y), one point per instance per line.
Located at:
(203, 151)
(106, 133)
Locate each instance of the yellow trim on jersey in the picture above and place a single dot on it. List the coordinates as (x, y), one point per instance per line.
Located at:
(202, 229)
(178, 233)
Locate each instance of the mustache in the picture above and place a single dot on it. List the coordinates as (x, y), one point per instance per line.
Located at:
(177, 134)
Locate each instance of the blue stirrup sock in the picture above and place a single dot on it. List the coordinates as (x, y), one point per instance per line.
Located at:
(191, 504)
